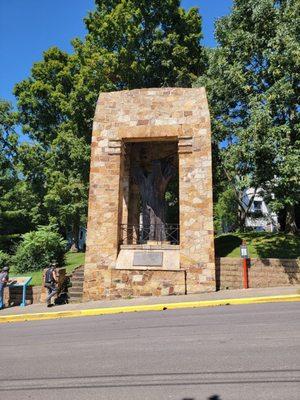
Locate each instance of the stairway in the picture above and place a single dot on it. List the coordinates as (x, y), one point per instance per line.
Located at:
(76, 290)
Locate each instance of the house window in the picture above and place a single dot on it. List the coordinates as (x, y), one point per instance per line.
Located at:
(257, 205)
(81, 235)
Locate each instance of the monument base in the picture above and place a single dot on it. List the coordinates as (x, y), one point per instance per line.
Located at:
(103, 283)
(126, 283)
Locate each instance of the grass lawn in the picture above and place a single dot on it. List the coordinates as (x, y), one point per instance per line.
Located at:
(73, 260)
(260, 245)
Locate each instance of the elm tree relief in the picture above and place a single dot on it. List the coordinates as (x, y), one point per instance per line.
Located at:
(153, 182)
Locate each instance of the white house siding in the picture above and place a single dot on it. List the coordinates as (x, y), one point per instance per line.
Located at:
(269, 220)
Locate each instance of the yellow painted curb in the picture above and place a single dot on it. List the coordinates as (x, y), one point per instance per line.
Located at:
(149, 307)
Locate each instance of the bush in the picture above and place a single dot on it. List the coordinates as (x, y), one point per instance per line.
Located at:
(8, 243)
(4, 260)
(38, 248)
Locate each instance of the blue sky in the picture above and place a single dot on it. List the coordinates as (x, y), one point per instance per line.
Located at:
(28, 27)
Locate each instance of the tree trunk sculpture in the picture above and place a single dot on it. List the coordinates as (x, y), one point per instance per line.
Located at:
(152, 186)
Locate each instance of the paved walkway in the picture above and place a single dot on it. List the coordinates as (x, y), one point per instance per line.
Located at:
(141, 301)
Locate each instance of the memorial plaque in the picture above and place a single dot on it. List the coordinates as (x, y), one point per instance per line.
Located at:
(22, 281)
(148, 259)
(19, 280)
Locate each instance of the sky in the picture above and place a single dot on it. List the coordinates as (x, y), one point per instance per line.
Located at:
(29, 27)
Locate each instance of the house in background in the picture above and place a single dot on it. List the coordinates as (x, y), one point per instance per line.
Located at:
(81, 238)
(261, 218)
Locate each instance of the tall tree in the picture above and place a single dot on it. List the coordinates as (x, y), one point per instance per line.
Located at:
(147, 43)
(8, 145)
(253, 85)
(15, 198)
(8, 176)
(130, 44)
(57, 116)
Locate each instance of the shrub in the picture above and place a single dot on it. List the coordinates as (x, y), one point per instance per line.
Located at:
(4, 260)
(8, 243)
(38, 248)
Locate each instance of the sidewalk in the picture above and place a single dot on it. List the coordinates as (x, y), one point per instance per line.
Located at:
(240, 296)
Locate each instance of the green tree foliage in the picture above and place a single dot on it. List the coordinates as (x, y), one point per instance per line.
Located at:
(146, 43)
(38, 248)
(226, 212)
(253, 85)
(129, 44)
(4, 260)
(56, 163)
(8, 176)
(14, 207)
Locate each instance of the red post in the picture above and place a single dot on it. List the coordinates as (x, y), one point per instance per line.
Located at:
(245, 273)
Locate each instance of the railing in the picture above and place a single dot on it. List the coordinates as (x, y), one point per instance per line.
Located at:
(141, 234)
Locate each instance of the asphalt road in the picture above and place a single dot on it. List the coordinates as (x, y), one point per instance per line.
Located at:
(230, 352)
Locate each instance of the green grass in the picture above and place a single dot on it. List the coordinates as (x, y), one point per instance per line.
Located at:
(73, 260)
(260, 245)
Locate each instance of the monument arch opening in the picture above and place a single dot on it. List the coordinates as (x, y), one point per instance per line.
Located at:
(151, 201)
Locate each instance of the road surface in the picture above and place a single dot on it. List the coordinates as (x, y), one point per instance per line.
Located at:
(246, 352)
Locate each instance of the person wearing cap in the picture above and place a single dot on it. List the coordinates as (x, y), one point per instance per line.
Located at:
(3, 282)
(51, 282)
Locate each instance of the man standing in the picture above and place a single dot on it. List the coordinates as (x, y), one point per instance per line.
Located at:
(3, 282)
(51, 282)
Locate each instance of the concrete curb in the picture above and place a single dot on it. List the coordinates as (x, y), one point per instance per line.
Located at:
(150, 307)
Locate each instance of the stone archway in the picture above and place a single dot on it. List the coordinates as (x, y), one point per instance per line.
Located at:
(148, 116)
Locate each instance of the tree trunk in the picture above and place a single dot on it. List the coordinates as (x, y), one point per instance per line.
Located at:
(75, 235)
(282, 219)
(297, 216)
(290, 224)
(242, 218)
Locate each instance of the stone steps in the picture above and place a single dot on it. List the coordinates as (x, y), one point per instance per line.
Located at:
(76, 284)
(78, 277)
(79, 272)
(76, 290)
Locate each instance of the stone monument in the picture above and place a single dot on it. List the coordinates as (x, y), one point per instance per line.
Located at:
(143, 142)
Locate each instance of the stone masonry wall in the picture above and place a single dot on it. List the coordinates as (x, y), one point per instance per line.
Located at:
(13, 296)
(150, 115)
(269, 272)
(113, 283)
(126, 283)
